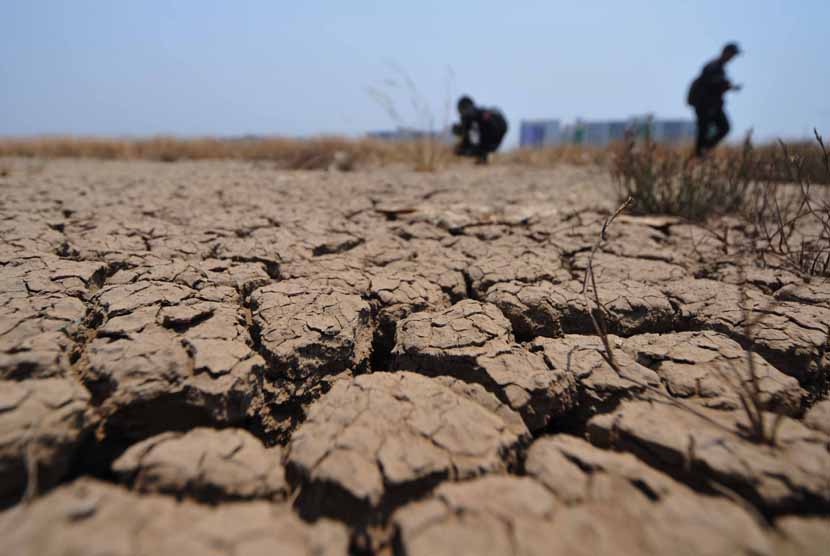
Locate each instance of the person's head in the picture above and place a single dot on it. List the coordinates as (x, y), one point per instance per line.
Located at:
(730, 50)
(465, 105)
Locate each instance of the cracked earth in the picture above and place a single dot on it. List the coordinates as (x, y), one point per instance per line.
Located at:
(221, 358)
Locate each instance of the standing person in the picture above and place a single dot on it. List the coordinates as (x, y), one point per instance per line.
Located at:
(481, 130)
(706, 97)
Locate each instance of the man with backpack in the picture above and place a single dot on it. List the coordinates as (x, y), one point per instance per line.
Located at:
(481, 130)
(706, 97)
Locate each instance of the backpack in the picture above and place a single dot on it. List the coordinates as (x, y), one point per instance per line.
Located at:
(495, 122)
(695, 95)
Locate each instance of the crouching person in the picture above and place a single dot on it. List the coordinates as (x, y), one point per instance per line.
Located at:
(481, 130)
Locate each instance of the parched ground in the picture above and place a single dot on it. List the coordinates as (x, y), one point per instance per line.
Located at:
(221, 358)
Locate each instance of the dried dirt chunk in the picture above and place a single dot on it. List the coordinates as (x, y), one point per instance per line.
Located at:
(342, 273)
(710, 367)
(401, 294)
(118, 300)
(803, 536)
(25, 232)
(397, 295)
(472, 341)
(42, 424)
(243, 277)
(465, 329)
(373, 441)
(818, 417)
(42, 305)
(793, 476)
(488, 516)
(745, 272)
(546, 309)
(518, 515)
(536, 309)
(792, 336)
(49, 275)
(90, 517)
(36, 336)
(631, 307)
(156, 371)
(817, 293)
(613, 268)
(412, 285)
(164, 353)
(434, 269)
(512, 264)
(206, 464)
(308, 330)
(566, 465)
(598, 384)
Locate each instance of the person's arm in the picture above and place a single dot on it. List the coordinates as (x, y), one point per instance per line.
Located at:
(467, 121)
(462, 130)
(715, 79)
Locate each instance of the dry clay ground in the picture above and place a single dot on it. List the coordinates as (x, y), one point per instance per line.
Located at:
(219, 358)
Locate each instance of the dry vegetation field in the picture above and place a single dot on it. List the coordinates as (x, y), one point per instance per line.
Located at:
(333, 346)
(320, 152)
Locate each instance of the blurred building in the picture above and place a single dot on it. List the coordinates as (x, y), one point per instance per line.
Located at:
(674, 131)
(538, 133)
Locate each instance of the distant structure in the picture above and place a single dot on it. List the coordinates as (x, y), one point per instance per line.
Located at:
(540, 133)
(408, 134)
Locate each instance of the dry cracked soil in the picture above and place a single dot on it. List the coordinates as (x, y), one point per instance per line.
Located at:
(222, 358)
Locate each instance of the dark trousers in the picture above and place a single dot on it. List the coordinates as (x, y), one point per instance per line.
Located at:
(712, 126)
(475, 150)
(488, 143)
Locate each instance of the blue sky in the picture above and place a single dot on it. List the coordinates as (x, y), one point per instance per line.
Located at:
(202, 67)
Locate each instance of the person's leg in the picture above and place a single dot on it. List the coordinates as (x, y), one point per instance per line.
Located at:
(490, 140)
(480, 153)
(721, 123)
(702, 131)
(464, 148)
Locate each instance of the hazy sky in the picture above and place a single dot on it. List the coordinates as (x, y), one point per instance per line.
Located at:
(194, 67)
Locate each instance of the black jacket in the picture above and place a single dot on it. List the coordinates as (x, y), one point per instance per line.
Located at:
(491, 124)
(708, 89)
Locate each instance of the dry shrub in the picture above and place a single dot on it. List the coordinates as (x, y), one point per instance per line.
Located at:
(809, 154)
(789, 216)
(664, 180)
(778, 193)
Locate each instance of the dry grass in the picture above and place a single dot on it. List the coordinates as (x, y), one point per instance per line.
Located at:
(551, 156)
(296, 154)
(426, 154)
